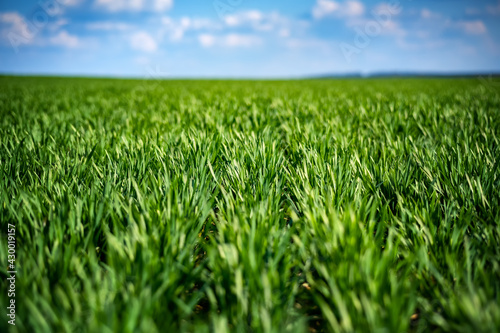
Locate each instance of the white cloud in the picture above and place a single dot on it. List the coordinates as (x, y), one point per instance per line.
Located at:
(241, 18)
(69, 3)
(109, 26)
(111, 5)
(325, 8)
(393, 28)
(284, 33)
(353, 8)
(18, 31)
(15, 24)
(229, 40)
(142, 41)
(118, 5)
(381, 20)
(387, 9)
(494, 10)
(473, 27)
(176, 28)
(11, 17)
(254, 20)
(236, 40)
(134, 5)
(198, 24)
(206, 40)
(162, 5)
(264, 22)
(489, 10)
(173, 28)
(58, 24)
(257, 20)
(64, 39)
(427, 14)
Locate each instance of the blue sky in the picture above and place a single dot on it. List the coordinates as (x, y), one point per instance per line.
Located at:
(247, 38)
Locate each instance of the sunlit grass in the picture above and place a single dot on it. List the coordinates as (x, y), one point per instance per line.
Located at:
(229, 206)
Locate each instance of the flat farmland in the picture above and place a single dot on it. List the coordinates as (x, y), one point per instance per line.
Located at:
(363, 205)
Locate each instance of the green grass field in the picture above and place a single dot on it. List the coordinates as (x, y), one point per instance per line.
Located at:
(251, 206)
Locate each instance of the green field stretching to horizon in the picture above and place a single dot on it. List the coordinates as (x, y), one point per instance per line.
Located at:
(368, 205)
